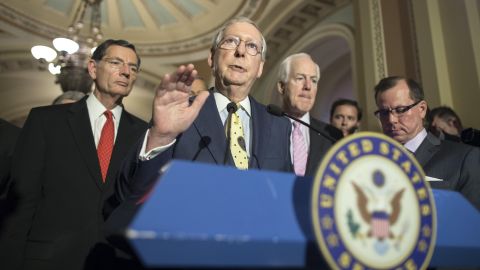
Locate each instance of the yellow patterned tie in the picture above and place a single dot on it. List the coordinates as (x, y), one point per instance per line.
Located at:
(237, 142)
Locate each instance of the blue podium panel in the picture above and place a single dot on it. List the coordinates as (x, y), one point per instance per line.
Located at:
(206, 215)
(202, 215)
(458, 232)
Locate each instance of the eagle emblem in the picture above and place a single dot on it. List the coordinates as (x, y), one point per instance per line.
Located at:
(371, 206)
(384, 214)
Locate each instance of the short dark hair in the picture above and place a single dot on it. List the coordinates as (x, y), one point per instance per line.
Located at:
(100, 51)
(416, 91)
(344, 101)
(444, 112)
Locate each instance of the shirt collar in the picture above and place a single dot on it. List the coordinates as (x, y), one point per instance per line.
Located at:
(222, 102)
(413, 144)
(305, 118)
(96, 108)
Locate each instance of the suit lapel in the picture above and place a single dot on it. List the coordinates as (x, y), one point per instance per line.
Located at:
(427, 149)
(82, 133)
(210, 128)
(316, 148)
(260, 133)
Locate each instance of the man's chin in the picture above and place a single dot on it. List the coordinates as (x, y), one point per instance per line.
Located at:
(397, 137)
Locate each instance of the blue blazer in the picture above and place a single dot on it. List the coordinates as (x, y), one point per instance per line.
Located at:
(205, 141)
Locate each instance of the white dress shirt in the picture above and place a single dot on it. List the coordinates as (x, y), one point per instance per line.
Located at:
(98, 119)
(244, 112)
(414, 143)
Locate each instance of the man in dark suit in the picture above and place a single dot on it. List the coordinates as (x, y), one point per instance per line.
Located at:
(64, 169)
(196, 130)
(402, 110)
(297, 84)
(8, 137)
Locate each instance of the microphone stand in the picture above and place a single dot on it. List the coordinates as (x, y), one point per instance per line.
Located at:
(275, 110)
(231, 108)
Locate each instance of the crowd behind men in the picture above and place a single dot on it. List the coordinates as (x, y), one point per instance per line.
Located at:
(70, 178)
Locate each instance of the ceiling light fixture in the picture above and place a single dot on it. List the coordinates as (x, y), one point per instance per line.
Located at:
(69, 60)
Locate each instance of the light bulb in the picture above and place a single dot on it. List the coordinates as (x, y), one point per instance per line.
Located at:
(43, 52)
(54, 69)
(65, 44)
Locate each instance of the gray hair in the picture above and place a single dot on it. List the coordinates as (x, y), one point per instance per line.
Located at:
(285, 66)
(219, 36)
(73, 95)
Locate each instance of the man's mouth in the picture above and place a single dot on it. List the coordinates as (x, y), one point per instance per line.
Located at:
(238, 68)
(304, 96)
(124, 84)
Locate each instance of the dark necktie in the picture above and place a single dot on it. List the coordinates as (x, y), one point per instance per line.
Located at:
(105, 145)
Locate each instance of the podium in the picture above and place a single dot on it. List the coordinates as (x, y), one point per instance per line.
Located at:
(202, 215)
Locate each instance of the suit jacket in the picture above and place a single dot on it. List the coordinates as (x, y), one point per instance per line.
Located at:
(8, 137)
(56, 173)
(205, 141)
(457, 164)
(320, 144)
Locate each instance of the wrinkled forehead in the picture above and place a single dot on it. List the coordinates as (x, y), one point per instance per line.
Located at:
(244, 30)
(303, 65)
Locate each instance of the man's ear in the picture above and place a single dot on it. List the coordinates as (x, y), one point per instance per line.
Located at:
(280, 87)
(92, 68)
(210, 59)
(423, 106)
(260, 69)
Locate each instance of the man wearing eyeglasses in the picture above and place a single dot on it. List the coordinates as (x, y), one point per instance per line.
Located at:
(197, 130)
(64, 170)
(401, 110)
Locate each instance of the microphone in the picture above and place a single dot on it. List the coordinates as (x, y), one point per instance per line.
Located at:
(277, 111)
(231, 108)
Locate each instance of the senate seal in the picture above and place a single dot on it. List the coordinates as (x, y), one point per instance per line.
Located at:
(371, 206)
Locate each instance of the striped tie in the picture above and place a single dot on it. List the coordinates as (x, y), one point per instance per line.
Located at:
(300, 150)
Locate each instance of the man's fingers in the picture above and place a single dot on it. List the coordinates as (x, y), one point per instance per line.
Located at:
(192, 77)
(179, 81)
(198, 102)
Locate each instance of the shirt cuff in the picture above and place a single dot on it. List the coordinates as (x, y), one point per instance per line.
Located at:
(153, 152)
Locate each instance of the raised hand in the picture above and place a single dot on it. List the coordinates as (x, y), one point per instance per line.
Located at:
(172, 111)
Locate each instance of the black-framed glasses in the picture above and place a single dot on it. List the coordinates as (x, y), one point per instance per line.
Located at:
(397, 112)
(118, 64)
(232, 43)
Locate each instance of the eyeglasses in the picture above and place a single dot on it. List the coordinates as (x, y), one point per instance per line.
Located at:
(118, 64)
(232, 43)
(397, 112)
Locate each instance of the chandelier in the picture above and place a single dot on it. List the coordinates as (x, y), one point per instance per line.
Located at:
(68, 62)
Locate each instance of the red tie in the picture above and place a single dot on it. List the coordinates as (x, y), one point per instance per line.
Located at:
(105, 145)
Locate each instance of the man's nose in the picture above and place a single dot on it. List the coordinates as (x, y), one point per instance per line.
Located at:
(392, 118)
(308, 84)
(125, 70)
(241, 48)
